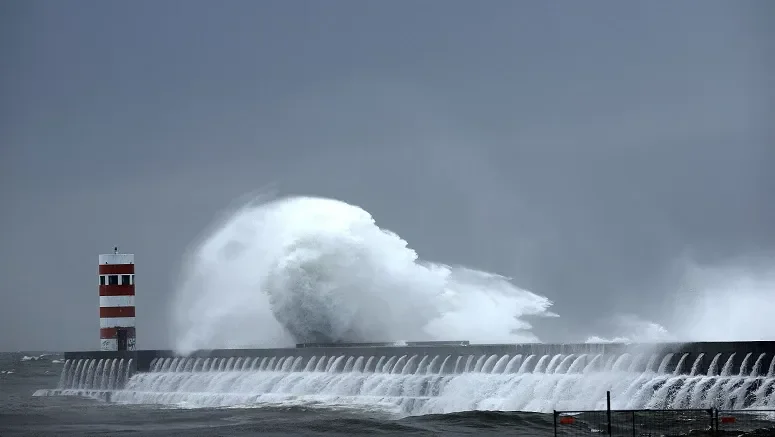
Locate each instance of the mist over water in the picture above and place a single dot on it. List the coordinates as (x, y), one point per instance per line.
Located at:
(630, 328)
(728, 303)
(732, 302)
(305, 269)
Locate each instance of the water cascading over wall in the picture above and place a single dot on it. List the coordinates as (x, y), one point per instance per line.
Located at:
(93, 377)
(443, 379)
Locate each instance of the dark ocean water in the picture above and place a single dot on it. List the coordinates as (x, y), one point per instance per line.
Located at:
(23, 414)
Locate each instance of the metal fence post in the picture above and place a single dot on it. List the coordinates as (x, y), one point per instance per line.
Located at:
(608, 409)
(555, 422)
(633, 423)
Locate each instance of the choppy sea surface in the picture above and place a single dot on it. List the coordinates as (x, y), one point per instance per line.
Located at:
(22, 414)
(193, 396)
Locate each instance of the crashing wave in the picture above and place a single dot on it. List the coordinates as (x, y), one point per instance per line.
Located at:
(306, 270)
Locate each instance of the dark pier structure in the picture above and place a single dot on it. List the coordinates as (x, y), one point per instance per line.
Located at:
(142, 359)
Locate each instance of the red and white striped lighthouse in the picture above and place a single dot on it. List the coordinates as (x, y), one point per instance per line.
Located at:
(117, 301)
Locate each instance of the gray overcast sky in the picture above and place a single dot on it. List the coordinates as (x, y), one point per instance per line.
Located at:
(579, 147)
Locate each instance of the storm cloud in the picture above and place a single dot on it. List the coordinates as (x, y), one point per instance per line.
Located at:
(591, 152)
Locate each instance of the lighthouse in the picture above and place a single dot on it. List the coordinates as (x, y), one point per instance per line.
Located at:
(117, 301)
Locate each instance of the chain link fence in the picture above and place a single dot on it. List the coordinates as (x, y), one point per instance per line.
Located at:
(753, 422)
(634, 423)
(662, 423)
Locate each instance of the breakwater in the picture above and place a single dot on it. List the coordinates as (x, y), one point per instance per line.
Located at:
(705, 352)
(439, 377)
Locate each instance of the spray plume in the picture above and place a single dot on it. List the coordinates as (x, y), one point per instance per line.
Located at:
(305, 269)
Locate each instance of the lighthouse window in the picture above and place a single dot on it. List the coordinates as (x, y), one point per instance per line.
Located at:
(102, 279)
(113, 280)
(125, 280)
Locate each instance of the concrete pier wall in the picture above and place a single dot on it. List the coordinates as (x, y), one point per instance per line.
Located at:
(142, 359)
